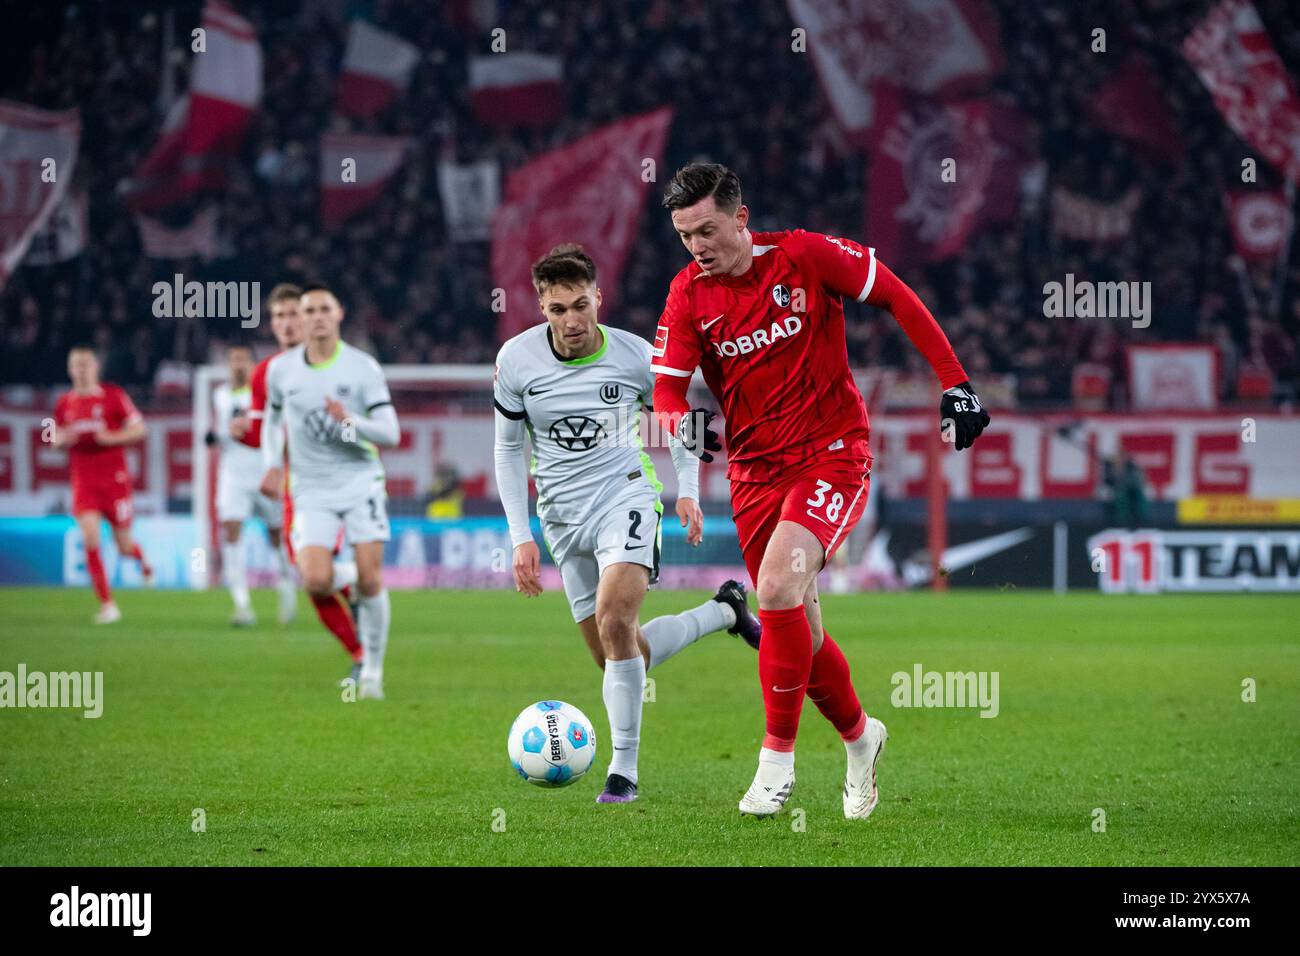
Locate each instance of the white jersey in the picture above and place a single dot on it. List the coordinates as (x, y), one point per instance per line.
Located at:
(328, 462)
(583, 418)
(240, 463)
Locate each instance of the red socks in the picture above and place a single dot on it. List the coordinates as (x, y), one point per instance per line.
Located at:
(831, 689)
(139, 556)
(95, 567)
(784, 662)
(336, 616)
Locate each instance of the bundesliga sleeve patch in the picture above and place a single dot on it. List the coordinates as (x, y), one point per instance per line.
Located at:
(661, 342)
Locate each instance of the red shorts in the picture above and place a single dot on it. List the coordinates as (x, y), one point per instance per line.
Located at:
(111, 499)
(827, 497)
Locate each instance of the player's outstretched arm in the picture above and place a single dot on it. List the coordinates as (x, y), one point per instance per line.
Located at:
(687, 467)
(962, 417)
(379, 427)
(512, 487)
(128, 434)
(691, 427)
(273, 453)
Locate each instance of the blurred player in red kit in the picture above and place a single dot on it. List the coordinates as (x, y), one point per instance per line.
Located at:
(761, 314)
(93, 421)
(287, 327)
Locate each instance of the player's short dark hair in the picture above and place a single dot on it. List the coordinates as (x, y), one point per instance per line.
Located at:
(282, 292)
(697, 181)
(82, 347)
(316, 287)
(566, 264)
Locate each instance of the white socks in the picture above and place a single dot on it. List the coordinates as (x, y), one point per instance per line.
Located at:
(373, 617)
(232, 561)
(283, 570)
(623, 687)
(777, 758)
(669, 634)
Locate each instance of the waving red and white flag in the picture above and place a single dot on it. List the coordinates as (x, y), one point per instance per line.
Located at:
(377, 68)
(591, 192)
(225, 90)
(198, 237)
(155, 183)
(516, 89)
(354, 171)
(920, 208)
(38, 156)
(1131, 105)
(1232, 54)
(1260, 223)
(935, 47)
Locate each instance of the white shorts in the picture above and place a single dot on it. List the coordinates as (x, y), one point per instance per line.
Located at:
(240, 500)
(317, 523)
(628, 532)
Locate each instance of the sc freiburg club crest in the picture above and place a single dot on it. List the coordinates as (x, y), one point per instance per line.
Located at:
(781, 296)
(577, 433)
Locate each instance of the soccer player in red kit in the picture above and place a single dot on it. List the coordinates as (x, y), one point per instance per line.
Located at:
(93, 421)
(287, 327)
(761, 314)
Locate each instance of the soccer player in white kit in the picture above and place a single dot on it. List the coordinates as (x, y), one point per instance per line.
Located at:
(337, 408)
(239, 497)
(578, 388)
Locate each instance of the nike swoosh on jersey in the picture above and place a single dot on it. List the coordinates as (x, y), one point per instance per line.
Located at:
(786, 690)
(539, 391)
(705, 326)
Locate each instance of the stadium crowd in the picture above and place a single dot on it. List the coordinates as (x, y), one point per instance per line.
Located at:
(414, 296)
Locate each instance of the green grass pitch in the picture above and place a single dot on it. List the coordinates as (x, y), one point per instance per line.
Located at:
(1130, 705)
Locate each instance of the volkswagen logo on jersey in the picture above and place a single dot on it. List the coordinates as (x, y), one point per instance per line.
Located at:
(781, 296)
(577, 432)
(610, 392)
(321, 426)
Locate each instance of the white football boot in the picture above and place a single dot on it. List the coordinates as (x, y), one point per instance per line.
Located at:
(370, 688)
(108, 614)
(860, 793)
(243, 617)
(766, 796)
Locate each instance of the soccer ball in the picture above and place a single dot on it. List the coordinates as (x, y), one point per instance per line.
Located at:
(551, 743)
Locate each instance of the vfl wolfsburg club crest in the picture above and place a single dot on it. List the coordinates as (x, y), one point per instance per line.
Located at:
(610, 393)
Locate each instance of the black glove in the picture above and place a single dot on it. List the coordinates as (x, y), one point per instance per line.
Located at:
(210, 439)
(961, 406)
(696, 436)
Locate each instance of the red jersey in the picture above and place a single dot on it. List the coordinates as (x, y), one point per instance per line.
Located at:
(107, 408)
(257, 403)
(772, 348)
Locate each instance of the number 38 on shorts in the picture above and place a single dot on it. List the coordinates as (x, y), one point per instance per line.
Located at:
(827, 499)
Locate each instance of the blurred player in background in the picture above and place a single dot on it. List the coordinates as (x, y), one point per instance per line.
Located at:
(239, 496)
(762, 315)
(336, 409)
(93, 421)
(333, 608)
(579, 387)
